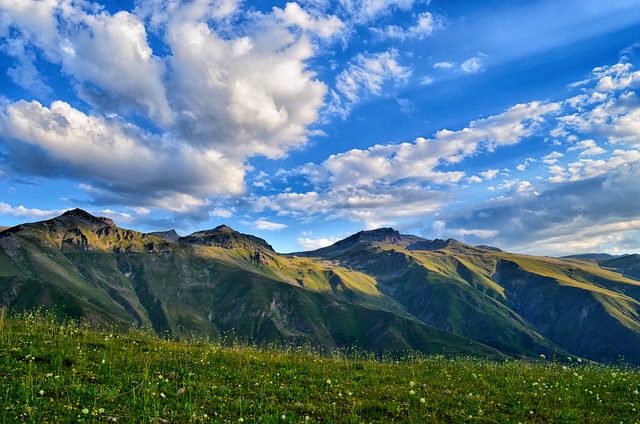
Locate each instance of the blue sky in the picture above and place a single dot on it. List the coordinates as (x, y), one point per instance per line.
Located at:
(514, 124)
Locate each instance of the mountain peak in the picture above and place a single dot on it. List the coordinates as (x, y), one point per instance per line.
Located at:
(224, 228)
(170, 235)
(381, 235)
(225, 237)
(83, 215)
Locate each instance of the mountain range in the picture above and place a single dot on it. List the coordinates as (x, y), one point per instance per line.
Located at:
(378, 291)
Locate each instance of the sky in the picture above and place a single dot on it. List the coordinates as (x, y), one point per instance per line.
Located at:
(514, 124)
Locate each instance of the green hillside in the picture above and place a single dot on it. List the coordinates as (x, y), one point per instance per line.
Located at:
(228, 284)
(378, 291)
(516, 303)
(52, 372)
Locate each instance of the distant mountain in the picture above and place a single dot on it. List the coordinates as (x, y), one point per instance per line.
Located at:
(227, 238)
(590, 256)
(516, 303)
(376, 290)
(628, 265)
(170, 235)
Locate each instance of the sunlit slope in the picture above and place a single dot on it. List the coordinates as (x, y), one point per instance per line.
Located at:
(515, 303)
(214, 283)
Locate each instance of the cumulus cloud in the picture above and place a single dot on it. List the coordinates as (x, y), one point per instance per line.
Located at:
(588, 148)
(124, 162)
(567, 217)
(390, 182)
(215, 97)
(322, 26)
(108, 56)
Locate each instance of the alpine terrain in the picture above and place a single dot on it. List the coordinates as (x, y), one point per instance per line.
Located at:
(378, 290)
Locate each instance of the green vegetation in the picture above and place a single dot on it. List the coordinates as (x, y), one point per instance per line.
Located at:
(70, 372)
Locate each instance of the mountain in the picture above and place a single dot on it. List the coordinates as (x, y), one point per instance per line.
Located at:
(628, 265)
(597, 256)
(170, 235)
(376, 290)
(216, 282)
(516, 303)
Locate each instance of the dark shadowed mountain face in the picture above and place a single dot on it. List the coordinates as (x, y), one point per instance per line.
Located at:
(376, 290)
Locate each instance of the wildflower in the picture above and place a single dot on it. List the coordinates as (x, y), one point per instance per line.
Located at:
(101, 410)
(240, 420)
(328, 381)
(542, 355)
(162, 395)
(284, 417)
(412, 383)
(411, 392)
(41, 392)
(635, 392)
(85, 411)
(422, 400)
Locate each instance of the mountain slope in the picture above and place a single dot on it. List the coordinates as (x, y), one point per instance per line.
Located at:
(376, 290)
(516, 303)
(213, 282)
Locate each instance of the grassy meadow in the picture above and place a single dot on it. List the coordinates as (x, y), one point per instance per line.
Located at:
(53, 372)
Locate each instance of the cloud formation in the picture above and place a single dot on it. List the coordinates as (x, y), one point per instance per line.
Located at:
(214, 98)
(364, 76)
(389, 182)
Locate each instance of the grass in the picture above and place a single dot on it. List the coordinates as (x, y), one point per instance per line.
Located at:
(53, 372)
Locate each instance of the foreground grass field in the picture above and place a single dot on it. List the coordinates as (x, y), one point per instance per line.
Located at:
(52, 372)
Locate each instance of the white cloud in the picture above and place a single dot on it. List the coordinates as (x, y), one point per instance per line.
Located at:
(588, 148)
(306, 243)
(217, 96)
(364, 11)
(425, 25)
(365, 75)
(489, 174)
(322, 26)
(444, 65)
(117, 155)
(483, 234)
(23, 212)
(107, 55)
(472, 65)
(552, 158)
(617, 77)
(390, 182)
(426, 80)
(263, 224)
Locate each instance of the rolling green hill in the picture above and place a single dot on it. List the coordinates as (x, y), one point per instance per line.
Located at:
(376, 290)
